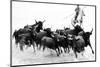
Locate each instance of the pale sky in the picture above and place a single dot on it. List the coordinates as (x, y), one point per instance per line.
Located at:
(57, 16)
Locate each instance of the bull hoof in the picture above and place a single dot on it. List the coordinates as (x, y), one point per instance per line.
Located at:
(57, 54)
(75, 55)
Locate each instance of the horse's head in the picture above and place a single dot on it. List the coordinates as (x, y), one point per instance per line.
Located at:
(78, 28)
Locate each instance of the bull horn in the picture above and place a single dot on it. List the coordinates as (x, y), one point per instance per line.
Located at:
(64, 27)
(43, 21)
(35, 21)
(91, 31)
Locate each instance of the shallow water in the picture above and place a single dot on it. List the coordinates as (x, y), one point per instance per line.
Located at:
(28, 56)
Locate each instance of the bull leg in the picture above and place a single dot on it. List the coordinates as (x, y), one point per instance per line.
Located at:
(91, 48)
(68, 49)
(57, 53)
(40, 47)
(57, 50)
(51, 52)
(75, 53)
(43, 48)
(21, 47)
(34, 47)
(60, 50)
(65, 50)
(16, 42)
(82, 53)
(83, 50)
(37, 46)
(26, 47)
(29, 43)
(21, 43)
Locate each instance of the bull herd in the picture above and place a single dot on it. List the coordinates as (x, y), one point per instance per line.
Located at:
(61, 40)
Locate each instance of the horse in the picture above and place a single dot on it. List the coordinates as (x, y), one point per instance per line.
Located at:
(74, 31)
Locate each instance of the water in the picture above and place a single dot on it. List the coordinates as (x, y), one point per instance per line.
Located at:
(28, 56)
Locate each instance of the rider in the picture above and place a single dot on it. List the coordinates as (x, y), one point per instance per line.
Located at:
(78, 16)
(77, 10)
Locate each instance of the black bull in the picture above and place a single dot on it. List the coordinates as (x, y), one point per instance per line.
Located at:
(53, 43)
(50, 43)
(25, 35)
(79, 42)
(57, 41)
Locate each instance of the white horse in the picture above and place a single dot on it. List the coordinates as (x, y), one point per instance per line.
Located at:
(79, 19)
